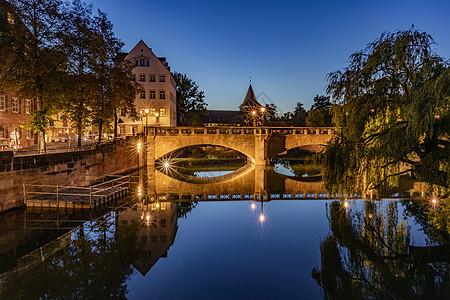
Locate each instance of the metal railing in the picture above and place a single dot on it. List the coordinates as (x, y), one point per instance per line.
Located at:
(60, 191)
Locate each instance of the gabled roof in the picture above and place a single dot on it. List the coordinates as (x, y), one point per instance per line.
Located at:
(223, 117)
(250, 99)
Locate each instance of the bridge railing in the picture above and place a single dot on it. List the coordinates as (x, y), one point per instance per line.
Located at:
(238, 130)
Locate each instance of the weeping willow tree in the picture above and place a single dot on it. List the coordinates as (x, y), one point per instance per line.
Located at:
(392, 111)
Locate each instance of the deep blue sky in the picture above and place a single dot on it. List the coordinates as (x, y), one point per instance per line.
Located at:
(287, 47)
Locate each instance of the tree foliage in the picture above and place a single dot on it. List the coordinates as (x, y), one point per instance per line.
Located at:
(393, 114)
(190, 100)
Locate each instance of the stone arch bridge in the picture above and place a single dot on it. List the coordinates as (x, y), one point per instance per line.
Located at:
(259, 144)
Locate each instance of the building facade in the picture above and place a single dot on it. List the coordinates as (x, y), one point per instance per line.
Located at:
(14, 115)
(156, 102)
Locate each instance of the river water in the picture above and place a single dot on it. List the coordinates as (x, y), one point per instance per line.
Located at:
(232, 239)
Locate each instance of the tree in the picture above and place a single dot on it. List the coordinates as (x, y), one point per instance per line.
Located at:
(36, 59)
(392, 113)
(318, 118)
(190, 100)
(319, 114)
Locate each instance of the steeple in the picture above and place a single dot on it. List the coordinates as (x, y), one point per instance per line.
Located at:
(249, 100)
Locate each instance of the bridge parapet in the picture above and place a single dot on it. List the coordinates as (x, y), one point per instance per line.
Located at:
(259, 144)
(238, 130)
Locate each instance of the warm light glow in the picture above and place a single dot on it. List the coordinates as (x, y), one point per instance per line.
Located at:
(166, 165)
(370, 216)
(263, 109)
(253, 206)
(156, 114)
(139, 147)
(345, 204)
(146, 111)
(253, 112)
(147, 217)
(437, 116)
(157, 205)
(434, 201)
(262, 218)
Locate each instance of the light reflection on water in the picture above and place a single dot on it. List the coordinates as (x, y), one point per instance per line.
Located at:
(220, 249)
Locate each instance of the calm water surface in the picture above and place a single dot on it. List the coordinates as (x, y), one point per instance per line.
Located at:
(153, 248)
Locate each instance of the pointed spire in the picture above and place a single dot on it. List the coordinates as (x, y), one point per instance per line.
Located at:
(250, 99)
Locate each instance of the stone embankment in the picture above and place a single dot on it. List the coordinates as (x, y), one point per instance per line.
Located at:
(77, 168)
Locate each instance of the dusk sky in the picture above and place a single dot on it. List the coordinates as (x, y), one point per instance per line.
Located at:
(287, 47)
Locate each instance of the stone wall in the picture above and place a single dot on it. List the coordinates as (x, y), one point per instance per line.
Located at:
(76, 168)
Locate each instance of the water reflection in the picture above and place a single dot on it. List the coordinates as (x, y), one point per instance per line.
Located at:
(373, 249)
(369, 254)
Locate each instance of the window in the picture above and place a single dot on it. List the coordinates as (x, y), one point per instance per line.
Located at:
(137, 63)
(152, 78)
(163, 222)
(15, 105)
(153, 239)
(162, 112)
(152, 95)
(162, 95)
(122, 129)
(3, 133)
(29, 133)
(133, 77)
(142, 95)
(162, 78)
(142, 62)
(122, 112)
(152, 112)
(10, 19)
(27, 106)
(2, 102)
(142, 77)
(163, 238)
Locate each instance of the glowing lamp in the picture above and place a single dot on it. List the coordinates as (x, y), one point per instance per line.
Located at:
(253, 112)
(262, 218)
(263, 109)
(146, 111)
(253, 206)
(345, 204)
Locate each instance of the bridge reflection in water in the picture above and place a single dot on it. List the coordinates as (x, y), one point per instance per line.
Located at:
(251, 182)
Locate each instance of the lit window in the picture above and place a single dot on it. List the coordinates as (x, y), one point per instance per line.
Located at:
(152, 112)
(152, 95)
(162, 95)
(10, 19)
(152, 78)
(162, 78)
(142, 95)
(133, 77)
(142, 77)
(2, 102)
(162, 112)
(15, 105)
(27, 106)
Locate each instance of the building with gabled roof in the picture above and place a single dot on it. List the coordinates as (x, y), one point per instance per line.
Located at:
(156, 102)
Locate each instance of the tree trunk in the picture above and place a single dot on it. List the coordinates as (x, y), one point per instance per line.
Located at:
(100, 128)
(115, 123)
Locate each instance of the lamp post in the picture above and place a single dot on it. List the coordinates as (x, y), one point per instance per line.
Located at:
(263, 111)
(146, 117)
(157, 117)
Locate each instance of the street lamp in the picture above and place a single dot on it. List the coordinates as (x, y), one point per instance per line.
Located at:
(157, 115)
(146, 117)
